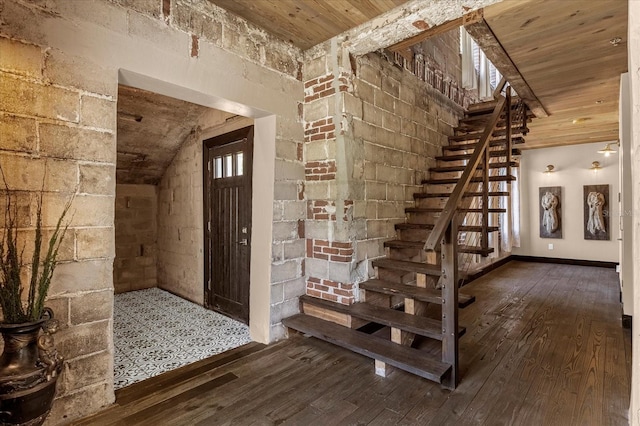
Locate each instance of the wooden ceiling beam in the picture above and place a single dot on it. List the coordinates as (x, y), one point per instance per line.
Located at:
(480, 31)
(469, 18)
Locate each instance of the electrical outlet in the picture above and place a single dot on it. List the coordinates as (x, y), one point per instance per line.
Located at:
(550, 246)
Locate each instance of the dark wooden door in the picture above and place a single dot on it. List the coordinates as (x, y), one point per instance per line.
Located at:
(228, 162)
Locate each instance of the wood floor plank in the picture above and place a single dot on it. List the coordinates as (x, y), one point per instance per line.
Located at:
(544, 345)
(524, 388)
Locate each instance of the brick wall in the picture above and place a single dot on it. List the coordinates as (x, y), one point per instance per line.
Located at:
(135, 265)
(361, 173)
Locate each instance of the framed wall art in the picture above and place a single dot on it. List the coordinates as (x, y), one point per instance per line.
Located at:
(597, 220)
(550, 211)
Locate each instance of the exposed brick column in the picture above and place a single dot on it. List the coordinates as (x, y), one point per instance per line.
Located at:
(329, 226)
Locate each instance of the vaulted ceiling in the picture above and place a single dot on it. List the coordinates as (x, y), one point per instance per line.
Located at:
(151, 129)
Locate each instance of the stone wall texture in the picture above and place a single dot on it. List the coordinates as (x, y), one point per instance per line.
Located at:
(180, 213)
(60, 66)
(136, 228)
(65, 132)
(372, 130)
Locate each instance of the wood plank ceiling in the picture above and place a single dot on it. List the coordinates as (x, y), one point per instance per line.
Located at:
(560, 47)
(563, 51)
(306, 23)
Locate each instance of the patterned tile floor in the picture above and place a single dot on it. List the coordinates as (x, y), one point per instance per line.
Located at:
(155, 331)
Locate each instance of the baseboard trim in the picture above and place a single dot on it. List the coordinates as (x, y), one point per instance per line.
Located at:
(627, 321)
(578, 262)
(491, 267)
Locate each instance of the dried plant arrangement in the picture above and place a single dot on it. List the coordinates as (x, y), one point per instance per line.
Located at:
(15, 307)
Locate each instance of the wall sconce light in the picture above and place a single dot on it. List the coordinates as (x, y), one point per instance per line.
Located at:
(595, 166)
(607, 151)
(549, 169)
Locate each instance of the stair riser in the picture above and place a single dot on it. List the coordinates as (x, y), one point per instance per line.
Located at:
(444, 175)
(396, 276)
(410, 254)
(431, 202)
(497, 133)
(413, 234)
(424, 218)
(439, 188)
(480, 123)
(441, 163)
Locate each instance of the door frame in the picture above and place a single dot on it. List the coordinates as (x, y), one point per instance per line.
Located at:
(221, 140)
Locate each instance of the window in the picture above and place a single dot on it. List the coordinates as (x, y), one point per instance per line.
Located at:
(229, 165)
(477, 71)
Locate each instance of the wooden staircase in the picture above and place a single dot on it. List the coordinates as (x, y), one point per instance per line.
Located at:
(413, 302)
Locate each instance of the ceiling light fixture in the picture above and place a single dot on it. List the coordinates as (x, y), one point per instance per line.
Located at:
(595, 166)
(607, 151)
(599, 102)
(615, 41)
(549, 169)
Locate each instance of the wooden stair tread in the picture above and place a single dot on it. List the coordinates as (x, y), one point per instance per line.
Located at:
(446, 169)
(402, 357)
(439, 209)
(418, 245)
(483, 106)
(468, 228)
(475, 250)
(479, 120)
(418, 293)
(408, 266)
(405, 226)
(472, 145)
(458, 157)
(498, 132)
(482, 112)
(396, 289)
(423, 326)
(491, 194)
(446, 181)
(427, 226)
(404, 244)
(418, 195)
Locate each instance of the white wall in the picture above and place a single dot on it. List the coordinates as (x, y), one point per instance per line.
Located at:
(634, 72)
(571, 173)
(626, 197)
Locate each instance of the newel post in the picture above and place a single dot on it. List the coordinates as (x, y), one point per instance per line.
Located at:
(450, 302)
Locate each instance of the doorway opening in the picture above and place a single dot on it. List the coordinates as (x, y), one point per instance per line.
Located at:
(227, 216)
(160, 319)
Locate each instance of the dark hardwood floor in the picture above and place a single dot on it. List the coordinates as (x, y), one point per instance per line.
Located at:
(544, 346)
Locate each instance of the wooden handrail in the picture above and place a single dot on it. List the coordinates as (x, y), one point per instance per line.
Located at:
(499, 87)
(450, 208)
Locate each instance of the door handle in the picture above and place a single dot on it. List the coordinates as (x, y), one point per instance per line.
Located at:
(243, 242)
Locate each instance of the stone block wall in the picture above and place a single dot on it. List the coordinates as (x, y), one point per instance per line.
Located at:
(180, 212)
(135, 265)
(437, 62)
(372, 130)
(60, 65)
(62, 129)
